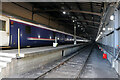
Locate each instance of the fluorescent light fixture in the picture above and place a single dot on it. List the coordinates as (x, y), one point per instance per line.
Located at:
(103, 29)
(110, 29)
(97, 38)
(112, 17)
(82, 40)
(64, 12)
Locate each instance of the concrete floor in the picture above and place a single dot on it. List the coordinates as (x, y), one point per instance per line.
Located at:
(97, 67)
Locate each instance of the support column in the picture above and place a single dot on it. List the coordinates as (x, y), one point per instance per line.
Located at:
(115, 31)
(115, 40)
(75, 34)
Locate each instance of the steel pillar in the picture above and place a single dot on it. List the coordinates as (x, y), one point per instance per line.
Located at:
(75, 34)
(115, 39)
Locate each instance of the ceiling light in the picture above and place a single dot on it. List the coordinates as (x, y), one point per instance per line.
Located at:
(97, 38)
(110, 29)
(103, 29)
(112, 17)
(73, 20)
(64, 12)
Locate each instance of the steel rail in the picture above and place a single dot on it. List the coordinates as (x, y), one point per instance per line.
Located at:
(66, 60)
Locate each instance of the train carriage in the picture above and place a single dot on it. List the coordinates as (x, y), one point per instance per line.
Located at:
(4, 31)
(31, 34)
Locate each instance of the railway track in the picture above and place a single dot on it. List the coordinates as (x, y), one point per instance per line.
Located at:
(71, 67)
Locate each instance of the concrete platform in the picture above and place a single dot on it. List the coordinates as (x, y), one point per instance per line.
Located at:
(32, 58)
(97, 67)
(68, 70)
(24, 52)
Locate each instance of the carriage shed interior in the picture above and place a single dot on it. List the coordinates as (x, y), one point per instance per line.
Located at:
(60, 40)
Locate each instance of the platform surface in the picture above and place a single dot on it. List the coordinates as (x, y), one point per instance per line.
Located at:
(97, 67)
(36, 49)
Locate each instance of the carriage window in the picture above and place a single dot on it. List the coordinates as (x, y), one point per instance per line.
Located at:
(28, 29)
(2, 25)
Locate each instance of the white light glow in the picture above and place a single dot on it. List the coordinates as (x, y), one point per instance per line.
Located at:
(73, 20)
(112, 17)
(110, 29)
(103, 29)
(64, 12)
(97, 38)
(82, 40)
(50, 37)
(38, 36)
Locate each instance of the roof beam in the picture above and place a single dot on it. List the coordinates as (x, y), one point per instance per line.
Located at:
(92, 26)
(75, 11)
(80, 20)
(89, 26)
(92, 11)
(83, 15)
(89, 21)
